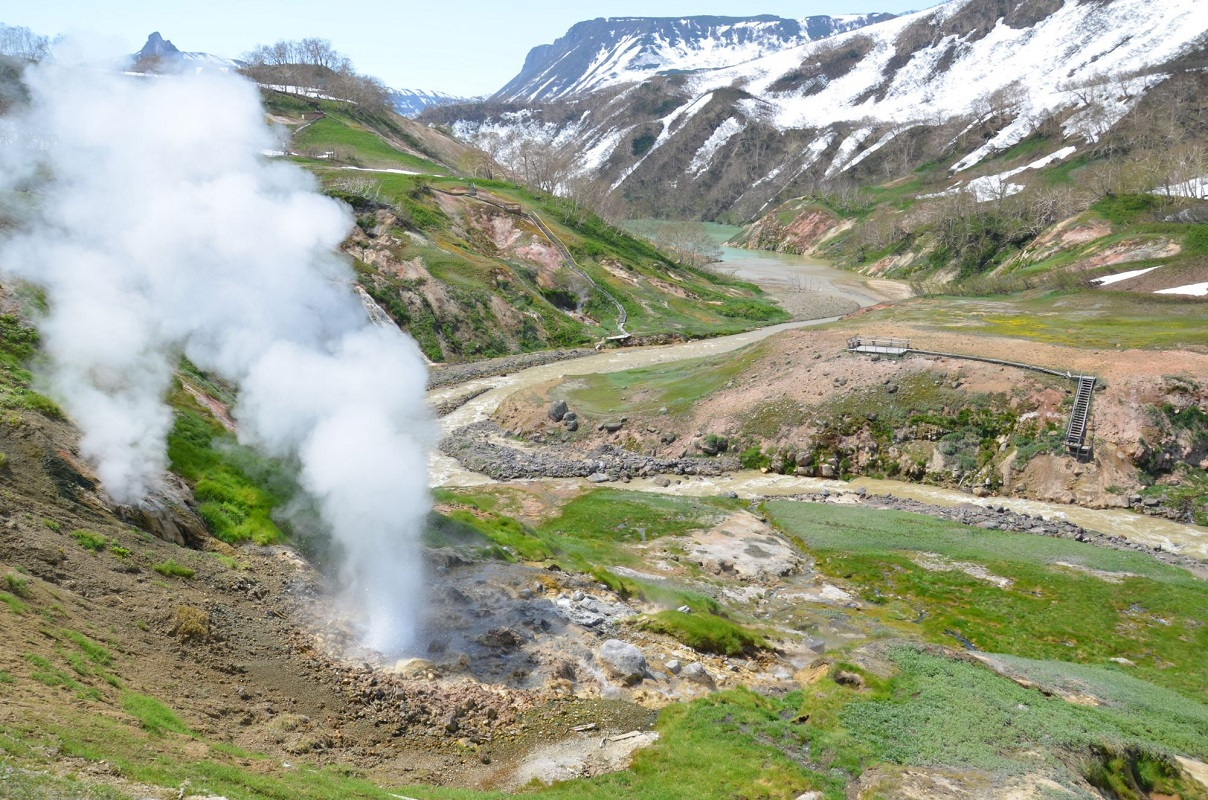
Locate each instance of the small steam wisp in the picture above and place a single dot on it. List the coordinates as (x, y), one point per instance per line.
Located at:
(156, 229)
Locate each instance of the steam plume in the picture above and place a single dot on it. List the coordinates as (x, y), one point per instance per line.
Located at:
(156, 229)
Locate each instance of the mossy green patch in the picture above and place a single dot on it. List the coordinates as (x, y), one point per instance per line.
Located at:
(705, 633)
(236, 489)
(18, 346)
(90, 540)
(645, 390)
(1087, 319)
(1050, 598)
(171, 569)
(152, 714)
(940, 711)
(353, 142)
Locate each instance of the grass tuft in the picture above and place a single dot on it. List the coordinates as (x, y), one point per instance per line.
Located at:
(705, 633)
(170, 569)
(152, 715)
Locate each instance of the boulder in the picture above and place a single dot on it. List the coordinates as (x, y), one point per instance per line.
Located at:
(167, 513)
(852, 679)
(557, 410)
(416, 669)
(623, 661)
(696, 673)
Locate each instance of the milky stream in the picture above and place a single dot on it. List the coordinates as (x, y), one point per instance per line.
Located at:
(1190, 540)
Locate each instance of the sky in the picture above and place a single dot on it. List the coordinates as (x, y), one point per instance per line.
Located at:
(462, 47)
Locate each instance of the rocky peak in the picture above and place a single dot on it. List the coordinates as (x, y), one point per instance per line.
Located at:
(158, 47)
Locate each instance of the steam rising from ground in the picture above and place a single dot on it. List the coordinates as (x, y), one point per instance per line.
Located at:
(157, 228)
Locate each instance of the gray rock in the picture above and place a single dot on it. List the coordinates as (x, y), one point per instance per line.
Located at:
(674, 666)
(557, 410)
(572, 425)
(599, 477)
(852, 679)
(826, 471)
(695, 673)
(610, 427)
(623, 661)
(662, 482)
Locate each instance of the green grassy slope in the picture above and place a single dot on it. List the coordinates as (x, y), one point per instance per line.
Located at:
(455, 243)
(1066, 601)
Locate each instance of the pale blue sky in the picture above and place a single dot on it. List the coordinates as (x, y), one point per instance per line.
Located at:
(462, 47)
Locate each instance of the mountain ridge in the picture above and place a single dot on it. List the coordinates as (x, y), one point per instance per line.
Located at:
(609, 51)
(980, 75)
(413, 102)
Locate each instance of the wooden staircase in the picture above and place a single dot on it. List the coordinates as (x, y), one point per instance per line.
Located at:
(1075, 433)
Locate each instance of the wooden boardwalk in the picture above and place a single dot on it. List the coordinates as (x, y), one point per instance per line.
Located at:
(1078, 426)
(1075, 432)
(891, 347)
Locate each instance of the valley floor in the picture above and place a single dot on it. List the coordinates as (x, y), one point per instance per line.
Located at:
(696, 638)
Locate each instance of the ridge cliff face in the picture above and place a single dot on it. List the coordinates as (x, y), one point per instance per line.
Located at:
(610, 51)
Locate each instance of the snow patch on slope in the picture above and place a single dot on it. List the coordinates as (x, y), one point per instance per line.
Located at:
(1107, 280)
(1061, 62)
(1192, 289)
(997, 187)
(722, 134)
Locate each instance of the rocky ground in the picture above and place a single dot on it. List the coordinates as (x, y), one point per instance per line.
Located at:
(486, 448)
(804, 377)
(247, 646)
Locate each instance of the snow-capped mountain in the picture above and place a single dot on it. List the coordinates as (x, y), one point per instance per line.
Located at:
(613, 51)
(160, 55)
(411, 102)
(974, 74)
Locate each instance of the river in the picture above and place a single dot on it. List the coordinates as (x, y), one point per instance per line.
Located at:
(775, 272)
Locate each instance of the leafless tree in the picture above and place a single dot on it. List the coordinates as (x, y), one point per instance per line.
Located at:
(313, 64)
(22, 43)
(689, 241)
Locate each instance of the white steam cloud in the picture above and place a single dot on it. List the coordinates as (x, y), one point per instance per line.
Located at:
(147, 213)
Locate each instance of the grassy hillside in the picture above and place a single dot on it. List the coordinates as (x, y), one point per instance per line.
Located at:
(469, 279)
(86, 719)
(334, 134)
(1049, 210)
